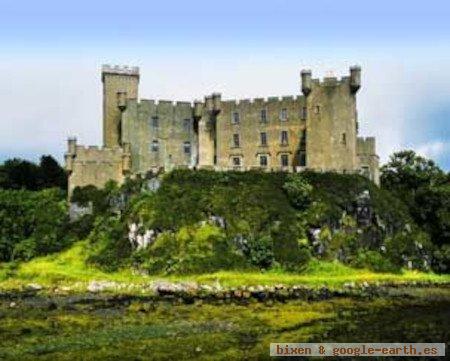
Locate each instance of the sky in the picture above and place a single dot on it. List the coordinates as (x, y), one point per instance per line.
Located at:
(52, 51)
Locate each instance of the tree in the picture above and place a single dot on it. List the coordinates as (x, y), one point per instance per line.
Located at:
(53, 175)
(21, 174)
(407, 172)
(425, 188)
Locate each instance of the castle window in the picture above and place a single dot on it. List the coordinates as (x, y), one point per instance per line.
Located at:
(344, 139)
(365, 171)
(302, 158)
(155, 122)
(263, 160)
(235, 118)
(155, 146)
(187, 125)
(263, 116)
(304, 113)
(284, 160)
(187, 147)
(283, 114)
(236, 141)
(263, 139)
(284, 137)
(317, 109)
(236, 161)
(303, 140)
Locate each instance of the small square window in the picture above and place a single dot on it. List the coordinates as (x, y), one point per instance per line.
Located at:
(317, 109)
(235, 118)
(304, 113)
(187, 125)
(284, 160)
(284, 137)
(303, 139)
(155, 122)
(263, 116)
(283, 114)
(187, 147)
(344, 139)
(263, 160)
(263, 139)
(302, 158)
(236, 161)
(155, 146)
(236, 141)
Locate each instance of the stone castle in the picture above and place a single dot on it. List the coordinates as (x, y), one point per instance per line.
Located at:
(316, 131)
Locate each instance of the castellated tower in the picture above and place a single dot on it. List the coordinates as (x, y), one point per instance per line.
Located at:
(332, 121)
(119, 85)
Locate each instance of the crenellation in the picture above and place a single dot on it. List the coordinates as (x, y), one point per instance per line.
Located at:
(120, 70)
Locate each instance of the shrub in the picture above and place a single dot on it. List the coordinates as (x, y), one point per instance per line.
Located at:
(410, 248)
(195, 249)
(32, 223)
(441, 259)
(258, 250)
(298, 191)
(108, 247)
(374, 261)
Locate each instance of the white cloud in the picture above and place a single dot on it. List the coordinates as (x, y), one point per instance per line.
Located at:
(434, 149)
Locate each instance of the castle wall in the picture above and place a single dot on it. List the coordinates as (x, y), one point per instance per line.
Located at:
(95, 166)
(367, 159)
(250, 127)
(169, 124)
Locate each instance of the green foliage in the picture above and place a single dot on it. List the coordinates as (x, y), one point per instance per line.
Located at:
(198, 249)
(441, 259)
(21, 174)
(259, 251)
(108, 247)
(333, 193)
(298, 190)
(374, 261)
(32, 223)
(102, 200)
(425, 188)
(410, 246)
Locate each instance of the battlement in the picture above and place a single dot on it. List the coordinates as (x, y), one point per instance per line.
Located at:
(119, 70)
(366, 146)
(263, 101)
(330, 81)
(156, 106)
(353, 81)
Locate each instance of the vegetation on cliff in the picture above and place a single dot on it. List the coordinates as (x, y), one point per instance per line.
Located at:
(197, 222)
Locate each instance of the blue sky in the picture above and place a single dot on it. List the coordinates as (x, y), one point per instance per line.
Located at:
(52, 51)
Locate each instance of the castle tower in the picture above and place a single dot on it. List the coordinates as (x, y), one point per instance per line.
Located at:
(207, 141)
(331, 121)
(119, 84)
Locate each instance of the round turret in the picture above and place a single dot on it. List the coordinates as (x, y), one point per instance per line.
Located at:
(72, 145)
(355, 78)
(216, 102)
(209, 104)
(198, 109)
(306, 81)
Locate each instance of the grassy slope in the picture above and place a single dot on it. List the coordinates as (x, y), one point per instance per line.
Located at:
(68, 268)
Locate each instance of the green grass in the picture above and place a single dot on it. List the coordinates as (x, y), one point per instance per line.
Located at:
(68, 268)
